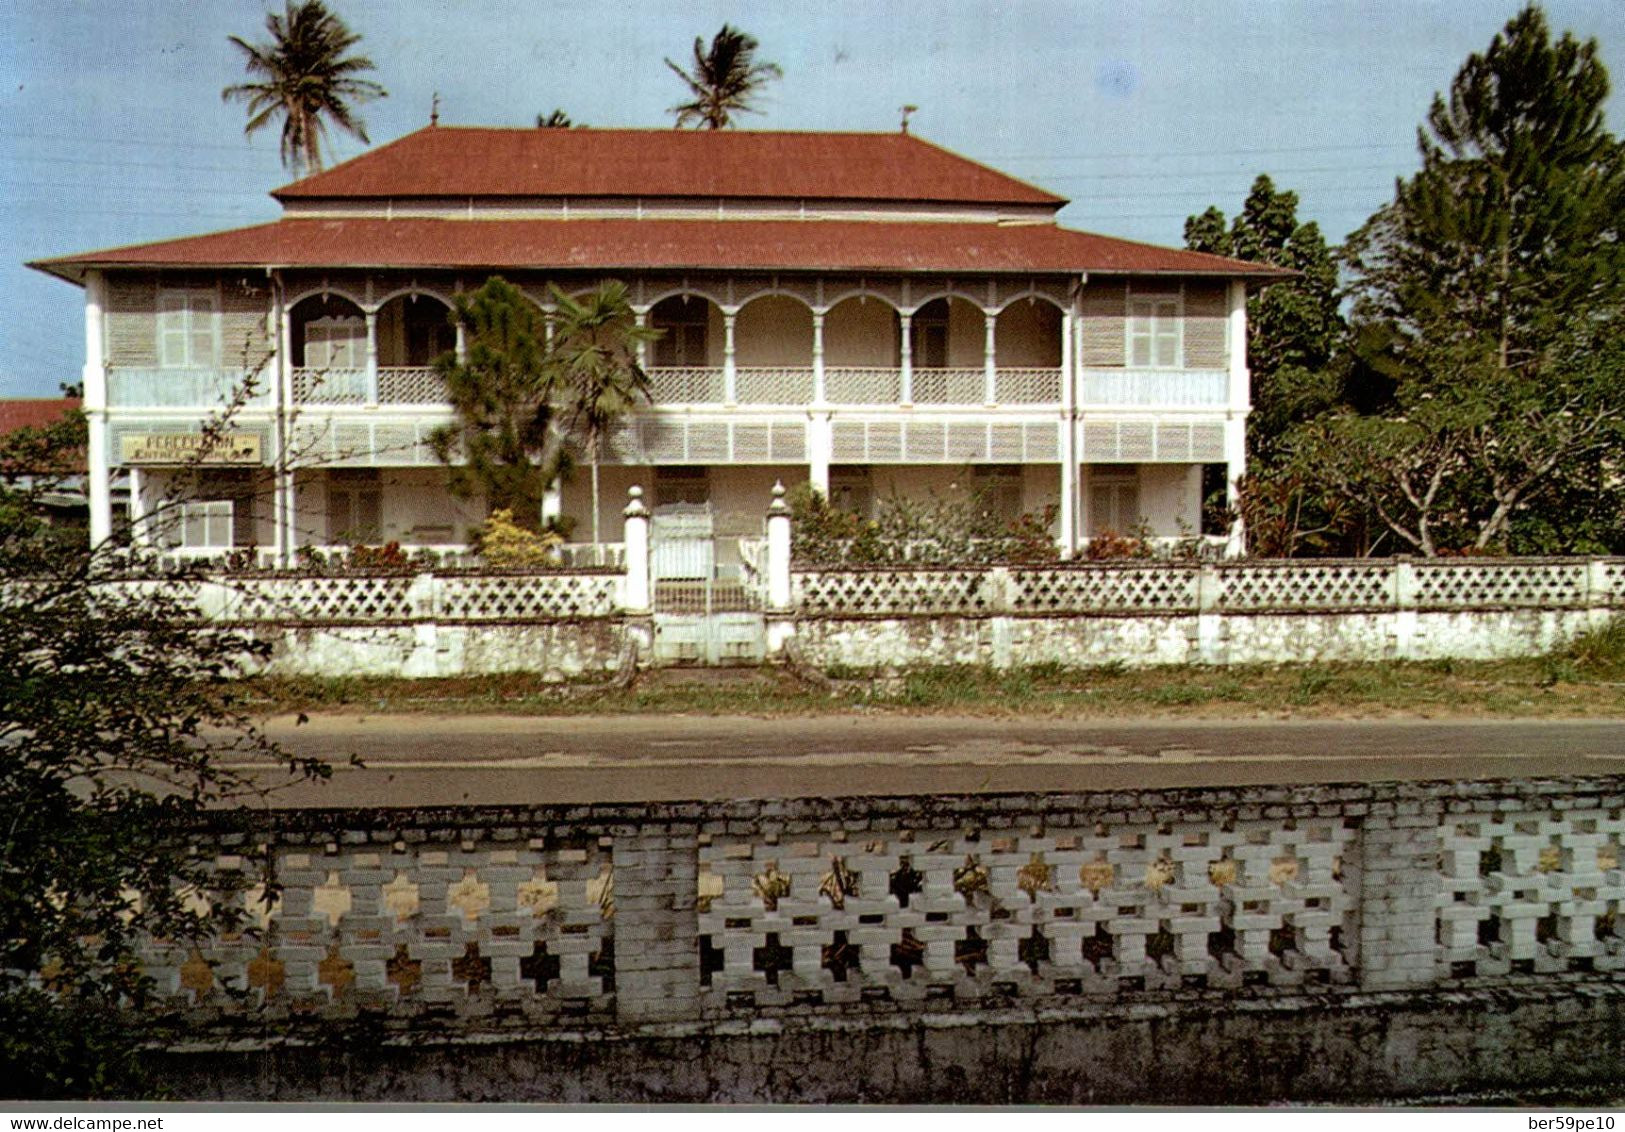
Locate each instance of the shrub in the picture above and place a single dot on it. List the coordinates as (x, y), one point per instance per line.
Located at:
(505, 544)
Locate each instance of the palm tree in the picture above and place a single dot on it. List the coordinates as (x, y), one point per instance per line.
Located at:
(304, 76)
(724, 80)
(558, 120)
(595, 352)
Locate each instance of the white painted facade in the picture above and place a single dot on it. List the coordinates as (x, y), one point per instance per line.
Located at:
(1102, 394)
(815, 380)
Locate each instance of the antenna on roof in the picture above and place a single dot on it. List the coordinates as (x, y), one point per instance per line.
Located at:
(907, 110)
(434, 110)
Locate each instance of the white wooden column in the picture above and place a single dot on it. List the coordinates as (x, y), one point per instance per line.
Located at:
(906, 358)
(819, 397)
(139, 535)
(100, 479)
(1240, 396)
(990, 356)
(372, 356)
(730, 376)
(1069, 454)
(1235, 425)
(640, 315)
(284, 503)
(820, 444)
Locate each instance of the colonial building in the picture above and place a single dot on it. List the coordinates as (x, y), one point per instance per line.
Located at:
(867, 312)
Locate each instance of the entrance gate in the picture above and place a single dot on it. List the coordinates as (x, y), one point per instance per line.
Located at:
(707, 604)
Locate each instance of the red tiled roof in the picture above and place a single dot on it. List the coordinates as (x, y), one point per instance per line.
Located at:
(446, 161)
(785, 245)
(33, 412)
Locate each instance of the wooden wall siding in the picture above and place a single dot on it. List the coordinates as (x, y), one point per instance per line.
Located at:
(132, 332)
(1104, 309)
(245, 340)
(1206, 319)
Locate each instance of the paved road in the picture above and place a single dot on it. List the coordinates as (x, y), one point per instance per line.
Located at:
(484, 760)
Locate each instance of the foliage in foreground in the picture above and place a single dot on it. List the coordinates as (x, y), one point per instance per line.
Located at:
(117, 712)
(961, 531)
(1473, 403)
(529, 403)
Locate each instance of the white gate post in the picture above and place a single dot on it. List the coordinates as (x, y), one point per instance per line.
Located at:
(780, 622)
(635, 595)
(778, 550)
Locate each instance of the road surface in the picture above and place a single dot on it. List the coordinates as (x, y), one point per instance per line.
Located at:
(493, 760)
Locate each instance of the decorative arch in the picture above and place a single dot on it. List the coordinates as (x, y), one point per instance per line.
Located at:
(413, 329)
(655, 298)
(1033, 294)
(862, 330)
(949, 294)
(948, 331)
(865, 294)
(419, 290)
(1027, 335)
(292, 300)
(691, 327)
(773, 329)
(802, 295)
(327, 331)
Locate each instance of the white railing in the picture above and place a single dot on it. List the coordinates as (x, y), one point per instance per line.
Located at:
(1207, 388)
(950, 386)
(185, 388)
(686, 385)
(401, 597)
(313, 385)
(773, 385)
(863, 385)
(410, 385)
(1348, 586)
(1027, 386)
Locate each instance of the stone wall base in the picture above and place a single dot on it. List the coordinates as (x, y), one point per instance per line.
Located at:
(1507, 1042)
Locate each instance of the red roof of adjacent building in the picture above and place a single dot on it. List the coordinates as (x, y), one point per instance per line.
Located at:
(443, 161)
(33, 412)
(772, 245)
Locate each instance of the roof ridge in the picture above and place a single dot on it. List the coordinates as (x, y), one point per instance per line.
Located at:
(507, 161)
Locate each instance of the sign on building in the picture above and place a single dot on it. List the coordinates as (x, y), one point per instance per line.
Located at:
(190, 448)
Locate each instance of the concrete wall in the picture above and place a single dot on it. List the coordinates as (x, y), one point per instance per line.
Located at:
(1501, 1047)
(830, 640)
(554, 651)
(1315, 943)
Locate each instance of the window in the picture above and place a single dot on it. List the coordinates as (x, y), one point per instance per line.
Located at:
(684, 328)
(188, 329)
(928, 336)
(682, 485)
(335, 343)
(850, 489)
(1114, 502)
(998, 491)
(199, 525)
(1153, 333)
(355, 504)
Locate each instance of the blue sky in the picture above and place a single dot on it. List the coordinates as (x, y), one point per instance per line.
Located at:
(112, 130)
